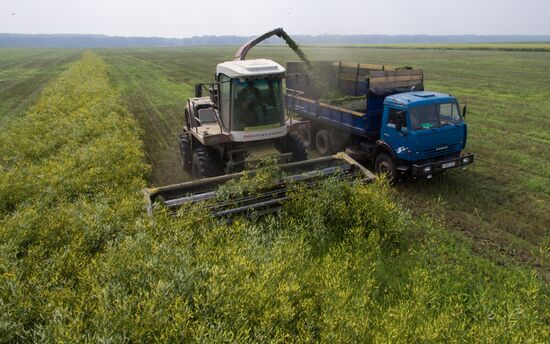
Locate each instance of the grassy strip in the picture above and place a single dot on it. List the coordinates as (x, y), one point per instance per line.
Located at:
(80, 261)
(70, 173)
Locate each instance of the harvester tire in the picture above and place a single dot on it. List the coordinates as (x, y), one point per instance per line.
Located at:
(205, 163)
(293, 144)
(322, 143)
(305, 135)
(186, 155)
(384, 165)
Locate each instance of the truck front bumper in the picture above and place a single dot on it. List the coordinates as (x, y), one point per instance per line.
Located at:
(430, 168)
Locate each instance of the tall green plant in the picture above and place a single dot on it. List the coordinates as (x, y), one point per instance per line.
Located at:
(70, 171)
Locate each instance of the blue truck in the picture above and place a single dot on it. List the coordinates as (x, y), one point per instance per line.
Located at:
(381, 113)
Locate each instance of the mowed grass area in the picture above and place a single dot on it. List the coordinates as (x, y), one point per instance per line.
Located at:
(155, 86)
(23, 74)
(501, 204)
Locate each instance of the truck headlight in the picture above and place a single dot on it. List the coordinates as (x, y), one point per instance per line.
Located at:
(465, 160)
(427, 169)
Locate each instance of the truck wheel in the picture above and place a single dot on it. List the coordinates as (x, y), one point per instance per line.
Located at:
(206, 163)
(185, 152)
(384, 165)
(293, 144)
(337, 142)
(305, 135)
(322, 143)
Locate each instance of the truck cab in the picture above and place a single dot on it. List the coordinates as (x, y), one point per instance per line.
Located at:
(422, 133)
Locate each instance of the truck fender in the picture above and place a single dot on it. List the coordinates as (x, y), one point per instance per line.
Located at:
(383, 147)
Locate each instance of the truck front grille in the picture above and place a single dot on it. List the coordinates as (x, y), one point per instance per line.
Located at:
(433, 152)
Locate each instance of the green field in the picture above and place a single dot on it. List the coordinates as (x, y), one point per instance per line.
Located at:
(502, 203)
(528, 47)
(463, 257)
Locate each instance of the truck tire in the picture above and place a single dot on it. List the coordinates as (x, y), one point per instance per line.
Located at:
(186, 155)
(305, 135)
(384, 164)
(322, 143)
(337, 142)
(293, 144)
(206, 163)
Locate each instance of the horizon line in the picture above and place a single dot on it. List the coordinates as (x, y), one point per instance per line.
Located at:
(310, 35)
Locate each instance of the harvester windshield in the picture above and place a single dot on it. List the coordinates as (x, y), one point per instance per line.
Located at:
(257, 103)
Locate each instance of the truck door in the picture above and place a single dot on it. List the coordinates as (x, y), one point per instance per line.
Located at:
(395, 130)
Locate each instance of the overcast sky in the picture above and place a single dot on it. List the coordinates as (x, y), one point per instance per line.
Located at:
(182, 18)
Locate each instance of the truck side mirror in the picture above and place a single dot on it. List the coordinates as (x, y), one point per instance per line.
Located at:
(464, 109)
(198, 90)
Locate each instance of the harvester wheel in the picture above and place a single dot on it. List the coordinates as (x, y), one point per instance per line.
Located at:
(322, 143)
(384, 165)
(206, 163)
(293, 144)
(305, 135)
(185, 152)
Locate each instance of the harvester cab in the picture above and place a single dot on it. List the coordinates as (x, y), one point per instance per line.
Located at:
(253, 90)
(239, 122)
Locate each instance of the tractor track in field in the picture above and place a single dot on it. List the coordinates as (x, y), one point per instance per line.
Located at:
(514, 167)
(159, 115)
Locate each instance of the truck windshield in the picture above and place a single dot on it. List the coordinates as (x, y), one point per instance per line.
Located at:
(257, 103)
(434, 115)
